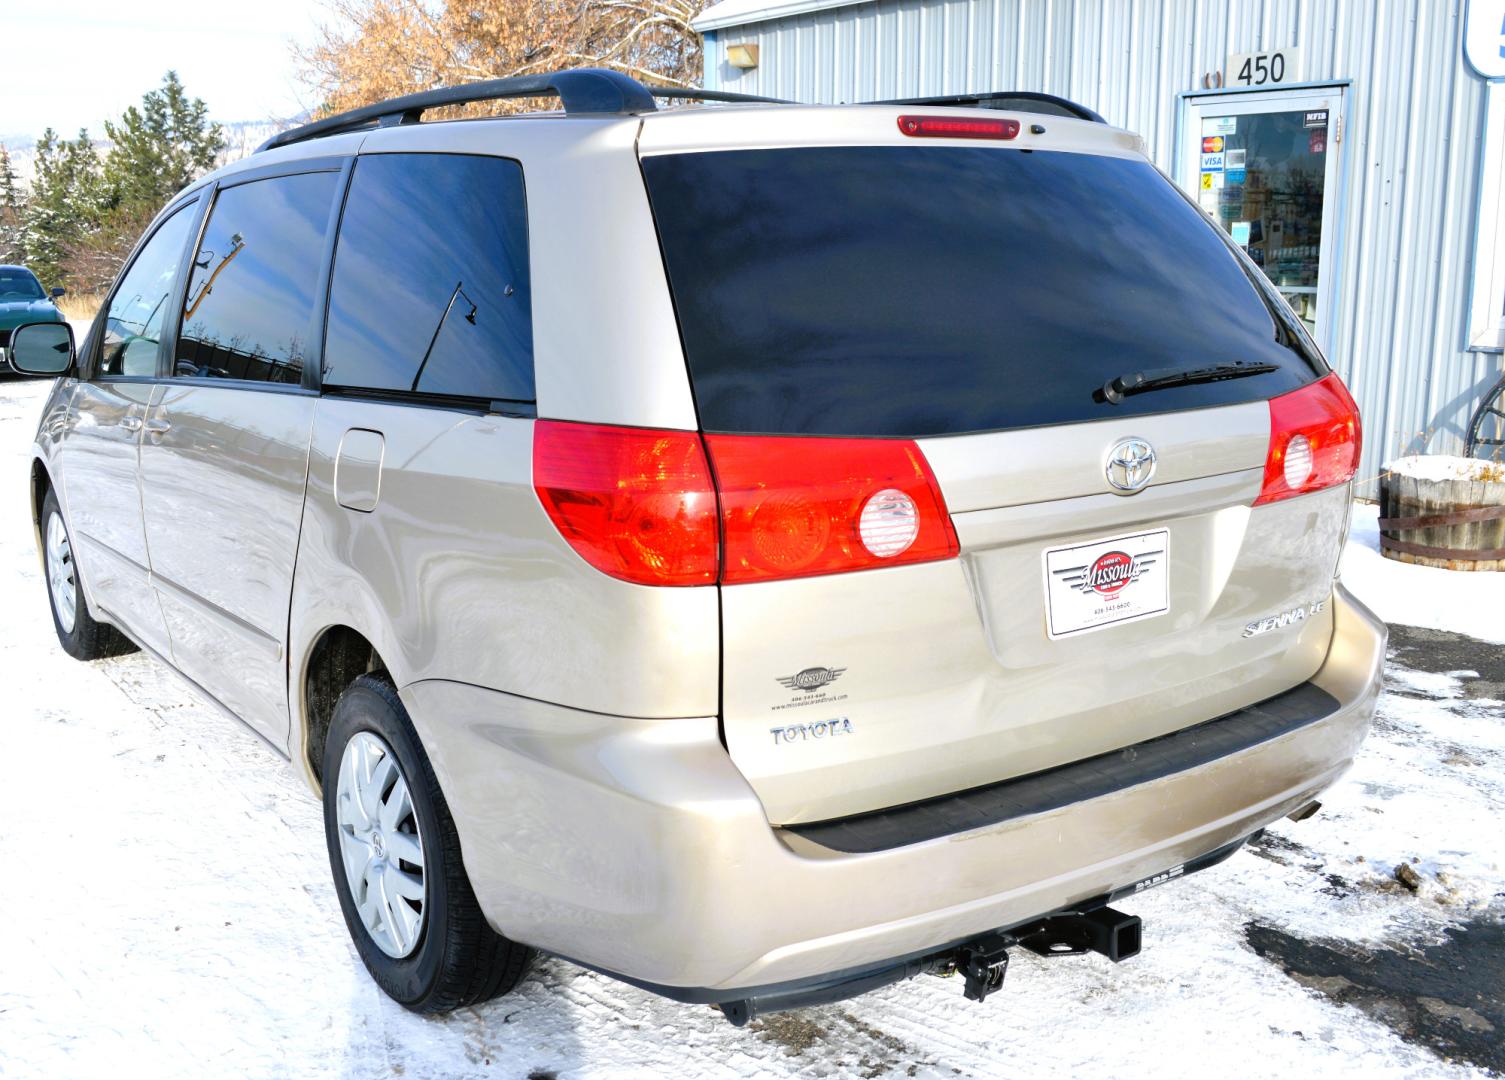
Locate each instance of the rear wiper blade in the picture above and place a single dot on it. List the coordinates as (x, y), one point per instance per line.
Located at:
(1142, 382)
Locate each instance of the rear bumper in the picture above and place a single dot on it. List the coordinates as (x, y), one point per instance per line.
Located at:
(636, 847)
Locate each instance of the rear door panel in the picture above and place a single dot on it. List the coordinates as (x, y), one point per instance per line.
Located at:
(948, 679)
(222, 489)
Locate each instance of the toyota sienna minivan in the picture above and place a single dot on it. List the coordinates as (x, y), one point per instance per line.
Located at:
(759, 552)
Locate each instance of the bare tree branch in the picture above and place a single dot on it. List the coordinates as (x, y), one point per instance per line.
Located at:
(376, 49)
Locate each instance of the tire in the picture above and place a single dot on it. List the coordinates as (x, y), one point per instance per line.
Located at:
(80, 635)
(450, 957)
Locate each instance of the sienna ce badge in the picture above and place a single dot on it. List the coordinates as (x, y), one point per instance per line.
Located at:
(1130, 465)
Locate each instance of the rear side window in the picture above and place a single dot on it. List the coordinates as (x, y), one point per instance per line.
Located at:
(912, 291)
(249, 312)
(430, 287)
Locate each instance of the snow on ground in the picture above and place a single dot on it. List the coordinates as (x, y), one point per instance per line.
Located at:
(166, 907)
(1462, 601)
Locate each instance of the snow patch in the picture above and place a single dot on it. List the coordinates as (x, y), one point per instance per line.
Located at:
(1466, 602)
(1446, 467)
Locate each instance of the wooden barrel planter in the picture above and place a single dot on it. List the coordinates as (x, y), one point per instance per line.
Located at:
(1445, 512)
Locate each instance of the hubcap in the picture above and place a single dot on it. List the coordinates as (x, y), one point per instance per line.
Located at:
(61, 579)
(380, 844)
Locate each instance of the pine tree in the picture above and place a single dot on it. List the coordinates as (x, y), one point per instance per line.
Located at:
(159, 148)
(66, 204)
(11, 210)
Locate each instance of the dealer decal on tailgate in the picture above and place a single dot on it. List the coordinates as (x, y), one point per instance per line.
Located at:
(1107, 582)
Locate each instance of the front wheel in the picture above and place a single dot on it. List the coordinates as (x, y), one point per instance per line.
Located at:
(80, 635)
(395, 856)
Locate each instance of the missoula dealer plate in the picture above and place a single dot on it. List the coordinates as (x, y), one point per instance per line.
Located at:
(1107, 582)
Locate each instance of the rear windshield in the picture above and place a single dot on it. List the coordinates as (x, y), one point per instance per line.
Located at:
(910, 291)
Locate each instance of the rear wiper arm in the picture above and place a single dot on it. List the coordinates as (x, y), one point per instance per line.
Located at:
(1142, 382)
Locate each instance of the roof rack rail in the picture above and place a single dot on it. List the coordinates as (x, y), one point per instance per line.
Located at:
(1003, 100)
(581, 90)
(690, 93)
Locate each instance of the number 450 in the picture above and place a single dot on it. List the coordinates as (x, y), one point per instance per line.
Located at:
(1262, 68)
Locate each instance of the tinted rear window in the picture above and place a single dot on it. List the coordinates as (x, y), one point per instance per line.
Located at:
(430, 292)
(908, 291)
(252, 300)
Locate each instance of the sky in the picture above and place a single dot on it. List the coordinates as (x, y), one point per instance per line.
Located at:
(75, 63)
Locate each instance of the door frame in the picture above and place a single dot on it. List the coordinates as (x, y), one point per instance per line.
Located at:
(1331, 95)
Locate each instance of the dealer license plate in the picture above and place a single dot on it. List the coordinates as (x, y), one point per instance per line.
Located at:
(1107, 583)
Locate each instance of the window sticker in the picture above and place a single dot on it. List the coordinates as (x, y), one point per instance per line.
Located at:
(1212, 162)
(1219, 125)
(1239, 230)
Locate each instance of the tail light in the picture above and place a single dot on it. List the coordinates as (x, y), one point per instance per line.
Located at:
(640, 504)
(1314, 440)
(634, 503)
(793, 507)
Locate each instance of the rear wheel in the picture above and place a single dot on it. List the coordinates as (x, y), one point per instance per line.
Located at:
(80, 635)
(395, 856)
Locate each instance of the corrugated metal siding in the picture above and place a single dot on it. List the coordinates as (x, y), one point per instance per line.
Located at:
(1411, 145)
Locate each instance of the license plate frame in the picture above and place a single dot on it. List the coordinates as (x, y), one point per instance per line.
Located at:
(1099, 584)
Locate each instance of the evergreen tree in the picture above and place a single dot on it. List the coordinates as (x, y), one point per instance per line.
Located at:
(159, 148)
(11, 210)
(66, 204)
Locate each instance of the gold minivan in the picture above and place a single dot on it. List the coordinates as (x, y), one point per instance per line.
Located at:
(757, 551)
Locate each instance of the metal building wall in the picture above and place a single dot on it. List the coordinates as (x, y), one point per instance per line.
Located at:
(1411, 146)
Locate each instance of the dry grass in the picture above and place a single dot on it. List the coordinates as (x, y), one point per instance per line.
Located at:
(79, 307)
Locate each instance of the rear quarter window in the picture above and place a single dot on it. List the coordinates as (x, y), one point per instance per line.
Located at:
(430, 291)
(915, 291)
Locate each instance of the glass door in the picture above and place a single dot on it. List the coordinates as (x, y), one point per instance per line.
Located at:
(1265, 167)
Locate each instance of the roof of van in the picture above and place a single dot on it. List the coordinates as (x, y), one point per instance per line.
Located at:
(602, 92)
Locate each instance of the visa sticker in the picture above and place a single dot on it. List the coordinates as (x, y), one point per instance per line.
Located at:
(1212, 162)
(1239, 230)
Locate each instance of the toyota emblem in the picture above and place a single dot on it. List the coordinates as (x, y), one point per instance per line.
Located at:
(1131, 464)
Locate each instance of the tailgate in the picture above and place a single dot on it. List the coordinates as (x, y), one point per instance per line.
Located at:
(945, 676)
(978, 301)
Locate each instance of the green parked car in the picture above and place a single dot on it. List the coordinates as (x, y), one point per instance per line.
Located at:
(22, 301)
